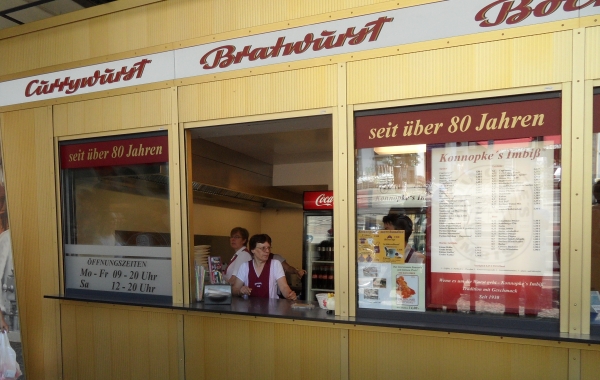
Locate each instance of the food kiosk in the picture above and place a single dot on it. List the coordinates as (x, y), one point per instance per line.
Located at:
(224, 85)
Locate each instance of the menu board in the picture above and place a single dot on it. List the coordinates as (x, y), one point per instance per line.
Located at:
(492, 215)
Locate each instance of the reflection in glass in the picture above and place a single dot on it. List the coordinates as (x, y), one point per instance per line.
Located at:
(113, 205)
(488, 227)
(8, 297)
(116, 219)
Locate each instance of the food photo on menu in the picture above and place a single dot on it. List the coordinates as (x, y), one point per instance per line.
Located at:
(379, 282)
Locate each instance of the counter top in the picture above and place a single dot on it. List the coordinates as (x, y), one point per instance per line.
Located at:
(282, 309)
(256, 307)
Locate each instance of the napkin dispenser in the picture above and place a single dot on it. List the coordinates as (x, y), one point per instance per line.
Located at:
(217, 294)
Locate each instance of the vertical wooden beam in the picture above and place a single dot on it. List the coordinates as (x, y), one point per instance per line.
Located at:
(342, 196)
(588, 152)
(574, 364)
(344, 354)
(565, 209)
(351, 212)
(180, 290)
(578, 183)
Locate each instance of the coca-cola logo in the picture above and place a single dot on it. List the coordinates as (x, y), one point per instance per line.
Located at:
(323, 200)
(226, 55)
(71, 86)
(513, 12)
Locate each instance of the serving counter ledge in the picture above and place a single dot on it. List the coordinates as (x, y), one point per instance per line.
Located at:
(282, 309)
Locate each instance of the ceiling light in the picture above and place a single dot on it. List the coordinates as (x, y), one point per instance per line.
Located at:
(401, 149)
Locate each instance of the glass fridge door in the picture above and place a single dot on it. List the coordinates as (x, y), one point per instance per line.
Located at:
(318, 253)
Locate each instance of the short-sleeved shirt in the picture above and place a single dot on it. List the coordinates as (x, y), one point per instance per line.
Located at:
(240, 257)
(276, 274)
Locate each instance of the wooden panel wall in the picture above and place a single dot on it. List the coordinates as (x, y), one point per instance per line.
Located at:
(29, 174)
(155, 26)
(385, 355)
(590, 365)
(142, 109)
(278, 224)
(109, 343)
(296, 90)
(592, 53)
(222, 348)
(525, 61)
(105, 341)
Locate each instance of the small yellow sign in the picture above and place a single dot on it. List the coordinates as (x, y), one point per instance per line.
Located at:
(380, 246)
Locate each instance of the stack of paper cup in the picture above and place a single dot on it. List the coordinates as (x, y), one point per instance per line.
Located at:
(201, 253)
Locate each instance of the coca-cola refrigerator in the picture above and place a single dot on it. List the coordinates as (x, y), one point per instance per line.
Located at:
(318, 250)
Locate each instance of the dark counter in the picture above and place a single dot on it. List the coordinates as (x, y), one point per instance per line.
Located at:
(256, 307)
(282, 309)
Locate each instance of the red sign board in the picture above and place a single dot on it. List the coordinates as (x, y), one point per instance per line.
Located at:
(318, 200)
(476, 123)
(532, 293)
(145, 150)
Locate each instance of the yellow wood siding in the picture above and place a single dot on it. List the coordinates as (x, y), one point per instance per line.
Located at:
(220, 348)
(156, 26)
(108, 343)
(141, 343)
(592, 53)
(378, 355)
(304, 89)
(590, 365)
(526, 61)
(29, 174)
(115, 113)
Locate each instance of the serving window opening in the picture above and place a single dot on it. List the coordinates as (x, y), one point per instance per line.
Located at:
(255, 176)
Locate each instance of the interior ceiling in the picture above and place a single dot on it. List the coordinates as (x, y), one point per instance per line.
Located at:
(276, 142)
(19, 12)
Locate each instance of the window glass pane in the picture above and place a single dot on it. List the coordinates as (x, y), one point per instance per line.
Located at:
(116, 229)
(458, 208)
(8, 299)
(595, 267)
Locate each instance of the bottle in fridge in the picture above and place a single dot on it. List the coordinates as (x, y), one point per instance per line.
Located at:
(319, 247)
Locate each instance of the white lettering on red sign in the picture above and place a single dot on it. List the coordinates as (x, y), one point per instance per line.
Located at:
(513, 12)
(224, 56)
(323, 200)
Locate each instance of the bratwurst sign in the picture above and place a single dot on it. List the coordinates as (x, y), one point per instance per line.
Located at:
(476, 123)
(411, 24)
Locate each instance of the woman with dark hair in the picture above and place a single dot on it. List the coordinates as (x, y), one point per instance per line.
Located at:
(402, 222)
(261, 276)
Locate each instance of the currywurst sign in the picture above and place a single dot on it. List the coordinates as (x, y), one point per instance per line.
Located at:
(408, 25)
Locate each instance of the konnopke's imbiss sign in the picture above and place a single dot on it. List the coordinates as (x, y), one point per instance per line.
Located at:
(398, 27)
(477, 123)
